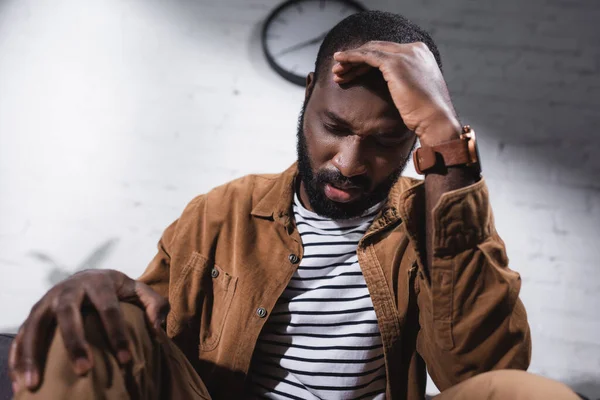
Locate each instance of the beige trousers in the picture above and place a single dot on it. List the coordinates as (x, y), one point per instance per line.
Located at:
(161, 371)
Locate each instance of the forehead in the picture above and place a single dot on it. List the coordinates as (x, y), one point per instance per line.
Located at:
(359, 102)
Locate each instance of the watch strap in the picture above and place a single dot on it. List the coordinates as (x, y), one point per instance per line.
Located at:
(452, 153)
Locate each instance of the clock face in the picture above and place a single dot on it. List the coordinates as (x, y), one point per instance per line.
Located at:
(295, 30)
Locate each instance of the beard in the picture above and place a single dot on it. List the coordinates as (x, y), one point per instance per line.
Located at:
(315, 181)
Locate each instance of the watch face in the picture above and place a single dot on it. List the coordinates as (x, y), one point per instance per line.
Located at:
(294, 31)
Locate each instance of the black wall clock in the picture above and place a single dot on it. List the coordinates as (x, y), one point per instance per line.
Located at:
(294, 31)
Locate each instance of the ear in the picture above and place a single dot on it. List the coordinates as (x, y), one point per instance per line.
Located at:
(310, 83)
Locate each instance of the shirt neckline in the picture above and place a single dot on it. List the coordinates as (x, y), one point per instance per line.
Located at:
(368, 214)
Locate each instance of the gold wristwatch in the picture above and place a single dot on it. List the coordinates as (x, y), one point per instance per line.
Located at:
(457, 152)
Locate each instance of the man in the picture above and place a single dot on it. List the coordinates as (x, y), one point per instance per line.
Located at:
(335, 279)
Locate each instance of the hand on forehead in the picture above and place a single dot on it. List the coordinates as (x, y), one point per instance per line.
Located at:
(364, 103)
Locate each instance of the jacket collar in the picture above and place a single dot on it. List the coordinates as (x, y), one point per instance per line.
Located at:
(277, 202)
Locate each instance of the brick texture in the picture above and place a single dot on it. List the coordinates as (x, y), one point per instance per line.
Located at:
(114, 114)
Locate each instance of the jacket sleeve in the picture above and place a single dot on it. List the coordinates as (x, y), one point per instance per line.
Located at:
(157, 273)
(167, 272)
(471, 318)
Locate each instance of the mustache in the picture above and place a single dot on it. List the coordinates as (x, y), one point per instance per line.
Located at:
(335, 178)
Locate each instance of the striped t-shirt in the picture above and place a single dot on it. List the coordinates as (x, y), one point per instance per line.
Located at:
(321, 340)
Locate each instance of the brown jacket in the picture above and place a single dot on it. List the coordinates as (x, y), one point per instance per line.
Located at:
(232, 252)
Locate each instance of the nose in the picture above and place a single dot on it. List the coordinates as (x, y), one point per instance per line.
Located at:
(349, 159)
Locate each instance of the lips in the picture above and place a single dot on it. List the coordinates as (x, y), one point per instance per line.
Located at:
(342, 195)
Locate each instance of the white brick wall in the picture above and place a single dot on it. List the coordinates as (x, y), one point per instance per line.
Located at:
(114, 114)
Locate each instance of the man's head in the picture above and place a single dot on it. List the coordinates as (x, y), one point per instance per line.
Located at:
(352, 142)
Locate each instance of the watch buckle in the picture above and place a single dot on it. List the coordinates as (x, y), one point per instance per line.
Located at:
(424, 158)
(468, 135)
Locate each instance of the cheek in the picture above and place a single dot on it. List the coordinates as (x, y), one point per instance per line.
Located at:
(384, 163)
(382, 166)
(321, 148)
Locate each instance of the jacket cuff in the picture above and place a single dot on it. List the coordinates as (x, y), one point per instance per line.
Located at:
(462, 220)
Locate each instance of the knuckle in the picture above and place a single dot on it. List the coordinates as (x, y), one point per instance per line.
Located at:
(143, 287)
(420, 48)
(113, 276)
(378, 54)
(41, 306)
(37, 306)
(56, 301)
(105, 277)
(156, 297)
(161, 303)
(370, 44)
(64, 308)
(101, 288)
(146, 291)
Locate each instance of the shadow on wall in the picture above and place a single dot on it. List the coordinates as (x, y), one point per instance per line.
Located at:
(59, 272)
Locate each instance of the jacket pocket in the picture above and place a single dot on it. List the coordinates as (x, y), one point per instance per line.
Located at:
(200, 301)
(216, 302)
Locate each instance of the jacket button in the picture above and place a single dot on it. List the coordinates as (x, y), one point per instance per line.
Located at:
(261, 312)
(294, 259)
(214, 273)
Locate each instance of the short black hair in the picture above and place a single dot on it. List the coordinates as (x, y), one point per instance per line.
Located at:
(365, 26)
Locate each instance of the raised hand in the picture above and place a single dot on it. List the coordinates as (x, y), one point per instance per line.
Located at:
(415, 81)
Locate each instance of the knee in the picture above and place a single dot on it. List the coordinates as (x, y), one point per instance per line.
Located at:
(137, 328)
(516, 384)
(134, 317)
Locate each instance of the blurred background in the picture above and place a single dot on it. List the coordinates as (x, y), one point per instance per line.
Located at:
(115, 113)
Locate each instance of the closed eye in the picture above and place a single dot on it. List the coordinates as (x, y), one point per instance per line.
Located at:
(336, 129)
(389, 142)
(392, 140)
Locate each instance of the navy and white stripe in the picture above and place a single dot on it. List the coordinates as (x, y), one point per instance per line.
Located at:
(322, 340)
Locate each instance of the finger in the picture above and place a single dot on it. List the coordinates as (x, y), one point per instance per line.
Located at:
(388, 47)
(399, 49)
(70, 324)
(12, 363)
(352, 74)
(104, 299)
(32, 341)
(156, 306)
(374, 58)
(341, 68)
(344, 69)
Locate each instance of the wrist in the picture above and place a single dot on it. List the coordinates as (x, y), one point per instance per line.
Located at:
(440, 130)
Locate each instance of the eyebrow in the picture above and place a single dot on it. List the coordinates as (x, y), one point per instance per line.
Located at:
(336, 119)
